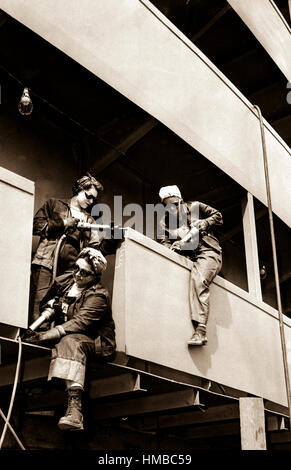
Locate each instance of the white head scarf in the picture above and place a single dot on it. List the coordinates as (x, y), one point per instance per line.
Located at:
(169, 191)
(95, 258)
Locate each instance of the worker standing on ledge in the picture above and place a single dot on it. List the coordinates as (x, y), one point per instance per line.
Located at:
(187, 228)
(52, 220)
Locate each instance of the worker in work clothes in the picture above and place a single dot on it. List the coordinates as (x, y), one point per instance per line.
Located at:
(53, 219)
(84, 329)
(188, 228)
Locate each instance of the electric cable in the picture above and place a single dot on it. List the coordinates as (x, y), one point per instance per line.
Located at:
(58, 110)
(7, 418)
(275, 262)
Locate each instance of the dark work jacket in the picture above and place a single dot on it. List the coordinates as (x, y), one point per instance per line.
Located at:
(208, 239)
(48, 223)
(90, 314)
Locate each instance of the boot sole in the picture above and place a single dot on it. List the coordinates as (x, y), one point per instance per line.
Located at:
(203, 343)
(67, 426)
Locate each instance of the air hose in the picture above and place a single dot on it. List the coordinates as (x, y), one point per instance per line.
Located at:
(7, 418)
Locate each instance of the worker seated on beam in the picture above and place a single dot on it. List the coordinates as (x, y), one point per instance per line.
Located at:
(86, 331)
(54, 219)
(187, 228)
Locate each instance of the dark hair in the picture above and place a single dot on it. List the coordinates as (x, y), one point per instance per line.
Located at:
(88, 179)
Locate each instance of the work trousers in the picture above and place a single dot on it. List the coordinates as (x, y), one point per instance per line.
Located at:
(206, 266)
(40, 281)
(69, 357)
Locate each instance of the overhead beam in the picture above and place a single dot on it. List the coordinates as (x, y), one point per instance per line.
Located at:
(136, 50)
(239, 227)
(3, 18)
(125, 145)
(270, 28)
(211, 23)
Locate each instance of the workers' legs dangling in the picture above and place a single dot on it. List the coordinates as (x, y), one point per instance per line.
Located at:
(204, 270)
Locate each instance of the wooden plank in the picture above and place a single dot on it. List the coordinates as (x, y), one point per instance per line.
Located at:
(252, 424)
(160, 402)
(251, 247)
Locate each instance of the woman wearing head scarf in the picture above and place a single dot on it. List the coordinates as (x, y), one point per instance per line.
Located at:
(84, 329)
(52, 220)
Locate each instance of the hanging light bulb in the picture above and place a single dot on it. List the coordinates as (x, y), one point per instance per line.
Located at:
(25, 105)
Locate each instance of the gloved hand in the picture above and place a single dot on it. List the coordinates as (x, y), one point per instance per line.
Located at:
(176, 246)
(116, 231)
(202, 225)
(50, 336)
(70, 222)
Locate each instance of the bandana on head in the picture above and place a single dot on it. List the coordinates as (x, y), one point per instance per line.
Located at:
(84, 181)
(169, 191)
(95, 258)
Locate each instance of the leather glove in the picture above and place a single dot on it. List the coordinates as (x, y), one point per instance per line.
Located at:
(202, 225)
(70, 222)
(50, 336)
(116, 231)
(176, 246)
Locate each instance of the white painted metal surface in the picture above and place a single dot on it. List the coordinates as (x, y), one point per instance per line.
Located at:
(152, 314)
(16, 216)
(270, 28)
(251, 247)
(135, 49)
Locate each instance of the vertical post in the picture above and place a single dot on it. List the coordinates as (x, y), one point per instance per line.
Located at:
(251, 247)
(252, 424)
(275, 262)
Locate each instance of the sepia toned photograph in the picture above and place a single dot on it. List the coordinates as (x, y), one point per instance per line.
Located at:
(145, 214)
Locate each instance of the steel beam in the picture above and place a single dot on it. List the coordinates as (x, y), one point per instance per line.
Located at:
(271, 29)
(116, 385)
(125, 145)
(182, 399)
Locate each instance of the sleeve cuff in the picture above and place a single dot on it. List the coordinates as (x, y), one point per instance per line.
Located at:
(61, 330)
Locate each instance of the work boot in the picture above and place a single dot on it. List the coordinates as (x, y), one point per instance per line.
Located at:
(199, 337)
(73, 419)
